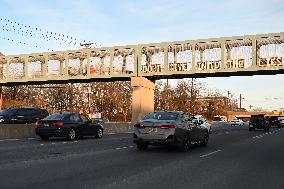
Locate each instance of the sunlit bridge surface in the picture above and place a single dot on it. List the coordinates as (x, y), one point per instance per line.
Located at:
(241, 55)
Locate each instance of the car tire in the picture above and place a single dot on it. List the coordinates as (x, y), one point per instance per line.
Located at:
(44, 137)
(71, 134)
(205, 140)
(142, 146)
(99, 133)
(185, 145)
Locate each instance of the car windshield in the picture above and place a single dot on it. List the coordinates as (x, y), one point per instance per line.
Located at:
(217, 119)
(281, 118)
(257, 118)
(162, 115)
(8, 112)
(55, 117)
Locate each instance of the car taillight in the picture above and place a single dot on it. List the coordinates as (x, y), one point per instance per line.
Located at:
(139, 126)
(38, 124)
(168, 127)
(58, 124)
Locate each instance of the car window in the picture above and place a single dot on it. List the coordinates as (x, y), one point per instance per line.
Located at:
(162, 115)
(8, 112)
(26, 112)
(84, 119)
(216, 119)
(186, 117)
(55, 117)
(281, 118)
(75, 118)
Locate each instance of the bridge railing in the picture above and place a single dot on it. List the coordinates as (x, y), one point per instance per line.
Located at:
(224, 55)
(229, 54)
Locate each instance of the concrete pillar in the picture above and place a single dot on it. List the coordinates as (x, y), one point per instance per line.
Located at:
(1, 101)
(142, 97)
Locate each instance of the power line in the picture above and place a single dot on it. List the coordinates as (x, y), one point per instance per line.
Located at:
(39, 35)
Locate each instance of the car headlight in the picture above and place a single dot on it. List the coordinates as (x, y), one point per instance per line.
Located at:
(2, 120)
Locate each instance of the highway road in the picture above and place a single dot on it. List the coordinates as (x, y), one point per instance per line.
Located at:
(235, 158)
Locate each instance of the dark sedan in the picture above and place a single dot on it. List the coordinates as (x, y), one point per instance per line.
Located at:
(68, 125)
(169, 128)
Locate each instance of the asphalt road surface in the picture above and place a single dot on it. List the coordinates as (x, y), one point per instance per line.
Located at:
(234, 158)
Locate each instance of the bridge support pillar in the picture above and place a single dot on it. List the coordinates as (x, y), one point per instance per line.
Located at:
(142, 97)
(1, 100)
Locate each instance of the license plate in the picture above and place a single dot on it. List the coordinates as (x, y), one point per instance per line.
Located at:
(46, 125)
(152, 130)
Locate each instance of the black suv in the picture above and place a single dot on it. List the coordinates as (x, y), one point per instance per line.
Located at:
(276, 121)
(258, 122)
(22, 115)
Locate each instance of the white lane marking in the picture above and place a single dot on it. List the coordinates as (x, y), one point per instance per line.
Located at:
(41, 144)
(31, 138)
(117, 148)
(205, 155)
(75, 141)
(12, 139)
(124, 147)
(53, 143)
(131, 146)
(64, 142)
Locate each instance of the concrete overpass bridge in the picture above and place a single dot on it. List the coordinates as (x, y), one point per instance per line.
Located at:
(144, 63)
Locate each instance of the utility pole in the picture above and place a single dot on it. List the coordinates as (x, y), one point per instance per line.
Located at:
(228, 100)
(168, 104)
(191, 95)
(241, 98)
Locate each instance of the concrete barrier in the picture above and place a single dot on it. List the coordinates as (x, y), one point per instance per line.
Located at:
(12, 131)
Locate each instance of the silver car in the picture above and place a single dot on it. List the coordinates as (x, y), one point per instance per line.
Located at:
(169, 128)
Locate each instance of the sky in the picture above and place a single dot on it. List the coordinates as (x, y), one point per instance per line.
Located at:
(126, 22)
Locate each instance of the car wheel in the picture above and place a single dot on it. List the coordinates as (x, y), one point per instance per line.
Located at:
(185, 145)
(205, 140)
(71, 134)
(99, 133)
(142, 146)
(44, 137)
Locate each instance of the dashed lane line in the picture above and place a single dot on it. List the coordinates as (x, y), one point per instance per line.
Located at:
(205, 155)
